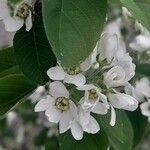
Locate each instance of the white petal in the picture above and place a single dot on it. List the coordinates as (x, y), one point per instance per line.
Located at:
(113, 116)
(73, 108)
(89, 61)
(65, 121)
(92, 126)
(115, 77)
(77, 80)
(100, 108)
(76, 130)
(145, 108)
(140, 43)
(28, 22)
(56, 73)
(44, 104)
(4, 10)
(121, 100)
(12, 24)
(84, 116)
(53, 114)
(86, 87)
(57, 89)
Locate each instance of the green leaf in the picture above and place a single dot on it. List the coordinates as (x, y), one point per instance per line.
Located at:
(51, 144)
(73, 27)
(140, 10)
(143, 69)
(121, 135)
(13, 88)
(139, 124)
(97, 141)
(33, 52)
(10, 71)
(7, 59)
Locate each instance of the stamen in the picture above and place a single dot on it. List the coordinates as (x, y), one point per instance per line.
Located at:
(23, 11)
(74, 70)
(93, 94)
(62, 103)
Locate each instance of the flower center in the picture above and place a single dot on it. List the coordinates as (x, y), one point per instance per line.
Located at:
(62, 103)
(115, 76)
(93, 94)
(74, 70)
(23, 11)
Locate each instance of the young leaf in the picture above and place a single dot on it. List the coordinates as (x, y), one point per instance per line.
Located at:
(73, 27)
(33, 52)
(97, 141)
(13, 88)
(121, 135)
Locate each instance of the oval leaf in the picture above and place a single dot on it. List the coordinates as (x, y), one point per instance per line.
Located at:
(97, 141)
(12, 89)
(73, 27)
(7, 59)
(33, 52)
(121, 135)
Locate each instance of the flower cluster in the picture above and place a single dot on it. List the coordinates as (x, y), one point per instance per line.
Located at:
(15, 15)
(95, 86)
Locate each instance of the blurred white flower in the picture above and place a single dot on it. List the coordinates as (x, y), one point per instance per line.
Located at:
(93, 100)
(143, 87)
(58, 107)
(142, 41)
(14, 17)
(145, 108)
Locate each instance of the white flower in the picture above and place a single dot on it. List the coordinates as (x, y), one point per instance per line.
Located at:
(58, 107)
(110, 46)
(145, 108)
(121, 101)
(83, 123)
(121, 73)
(14, 17)
(143, 86)
(93, 99)
(74, 74)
